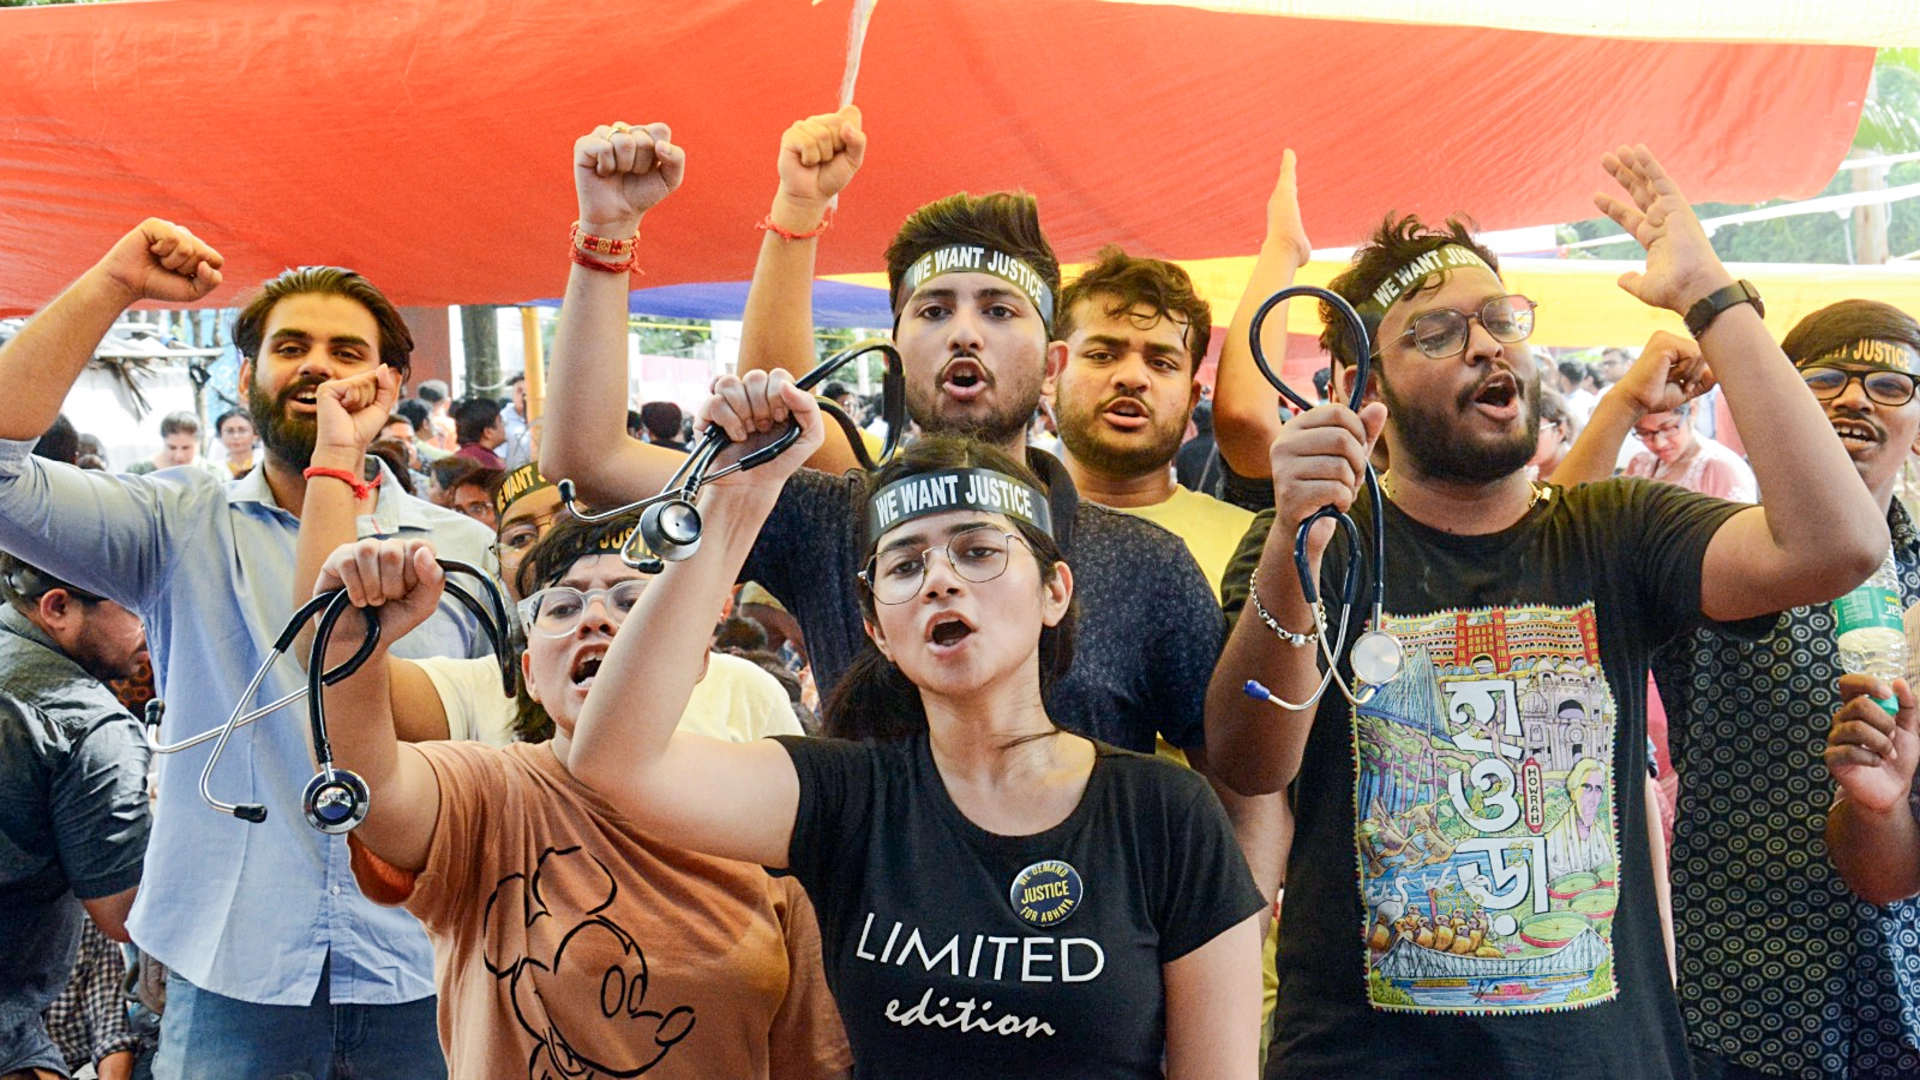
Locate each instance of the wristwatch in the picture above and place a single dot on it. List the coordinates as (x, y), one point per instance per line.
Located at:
(1708, 308)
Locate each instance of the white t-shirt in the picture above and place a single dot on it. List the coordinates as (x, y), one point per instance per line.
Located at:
(736, 701)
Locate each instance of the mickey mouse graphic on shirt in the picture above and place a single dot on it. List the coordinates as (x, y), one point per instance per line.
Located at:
(578, 980)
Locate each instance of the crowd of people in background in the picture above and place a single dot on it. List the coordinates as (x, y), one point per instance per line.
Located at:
(1038, 748)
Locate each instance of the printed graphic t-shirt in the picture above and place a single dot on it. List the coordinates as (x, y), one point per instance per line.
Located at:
(1469, 888)
(566, 944)
(958, 953)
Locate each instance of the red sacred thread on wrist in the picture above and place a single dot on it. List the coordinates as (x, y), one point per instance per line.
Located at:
(581, 258)
(361, 488)
(603, 245)
(767, 225)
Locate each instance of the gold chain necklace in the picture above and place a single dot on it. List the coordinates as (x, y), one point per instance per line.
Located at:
(1534, 490)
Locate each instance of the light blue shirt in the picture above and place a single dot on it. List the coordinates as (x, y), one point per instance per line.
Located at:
(247, 911)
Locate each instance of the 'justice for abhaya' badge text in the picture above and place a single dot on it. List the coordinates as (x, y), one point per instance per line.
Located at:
(1045, 893)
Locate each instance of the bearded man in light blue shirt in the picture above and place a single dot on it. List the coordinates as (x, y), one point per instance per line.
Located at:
(250, 918)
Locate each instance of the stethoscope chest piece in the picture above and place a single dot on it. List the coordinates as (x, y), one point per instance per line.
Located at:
(336, 801)
(1377, 658)
(671, 529)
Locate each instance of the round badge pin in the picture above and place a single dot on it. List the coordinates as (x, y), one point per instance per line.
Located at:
(1047, 893)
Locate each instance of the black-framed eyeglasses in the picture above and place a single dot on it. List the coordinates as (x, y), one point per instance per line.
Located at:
(1884, 386)
(1442, 334)
(978, 554)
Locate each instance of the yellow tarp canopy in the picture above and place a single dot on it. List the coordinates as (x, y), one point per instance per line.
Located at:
(1581, 303)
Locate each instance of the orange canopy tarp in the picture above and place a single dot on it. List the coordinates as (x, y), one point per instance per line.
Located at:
(426, 142)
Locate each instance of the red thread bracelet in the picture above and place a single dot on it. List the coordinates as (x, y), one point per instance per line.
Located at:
(603, 245)
(361, 488)
(767, 225)
(581, 258)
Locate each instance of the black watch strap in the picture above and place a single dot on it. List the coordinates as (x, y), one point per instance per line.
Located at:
(1708, 308)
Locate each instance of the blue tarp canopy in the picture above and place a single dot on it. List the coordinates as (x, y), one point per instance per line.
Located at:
(835, 303)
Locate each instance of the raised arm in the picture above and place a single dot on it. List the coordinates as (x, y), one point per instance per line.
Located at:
(1669, 373)
(818, 156)
(734, 800)
(158, 260)
(619, 173)
(401, 578)
(1871, 833)
(348, 415)
(1819, 532)
(1318, 460)
(1246, 408)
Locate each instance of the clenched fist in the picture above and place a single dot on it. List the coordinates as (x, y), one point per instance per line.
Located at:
(620, 172)
(159, 260)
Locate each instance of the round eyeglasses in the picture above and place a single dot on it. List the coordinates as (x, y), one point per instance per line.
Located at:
(976, 555)
(1442, 334)
(557, 611)
(1883, 386)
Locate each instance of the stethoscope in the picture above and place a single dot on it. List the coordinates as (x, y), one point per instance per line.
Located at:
(335, 799)
(670, 523)
(1377, 656)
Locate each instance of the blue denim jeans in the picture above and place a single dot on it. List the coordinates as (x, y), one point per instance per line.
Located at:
(205, 1036)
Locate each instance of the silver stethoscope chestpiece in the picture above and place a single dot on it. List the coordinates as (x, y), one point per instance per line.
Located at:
(1377, 658)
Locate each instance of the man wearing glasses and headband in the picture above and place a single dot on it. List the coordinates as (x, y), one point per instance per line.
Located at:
(1745, 723)
(1527, 615)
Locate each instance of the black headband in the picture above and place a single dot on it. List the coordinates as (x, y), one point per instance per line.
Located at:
(974, 259)
(957, 489)
(1873, 352)
(1408, 277)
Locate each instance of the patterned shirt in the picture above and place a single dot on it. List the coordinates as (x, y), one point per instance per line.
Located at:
(1782, 968)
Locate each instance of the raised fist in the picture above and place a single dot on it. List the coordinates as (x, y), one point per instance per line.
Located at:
(1669, 373)
(620, 172)
(819, 155)
(159, 260)
(350, 412)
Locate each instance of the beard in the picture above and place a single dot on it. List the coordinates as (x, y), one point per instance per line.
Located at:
(1000, 424)
(1081, 434)
(289, 439)
(1428, 437)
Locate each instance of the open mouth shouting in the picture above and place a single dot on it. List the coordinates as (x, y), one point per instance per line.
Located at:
(947, 633)
(1857, 435)
(587, 665)
(964, 379)
(302, 396)
(1127, 414)
(1497, 397)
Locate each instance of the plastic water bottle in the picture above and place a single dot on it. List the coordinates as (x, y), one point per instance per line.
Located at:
(1871, 628)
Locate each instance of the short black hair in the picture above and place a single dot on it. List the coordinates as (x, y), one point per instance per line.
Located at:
(662, 420)
(416, 412)
(1397, 242)
(232, 414)
(1574, 371)
(516, 378)
(472, 417)
(60, 442)
(1838, 325)
(396, 341)
(1129, 282)
(1007, 221)
(635, 425)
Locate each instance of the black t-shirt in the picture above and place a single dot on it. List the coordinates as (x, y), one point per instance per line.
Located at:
(938, 974)
(1489, 908)
(1146, 637)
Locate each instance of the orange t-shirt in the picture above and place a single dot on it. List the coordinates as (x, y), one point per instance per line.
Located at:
(567, 944)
